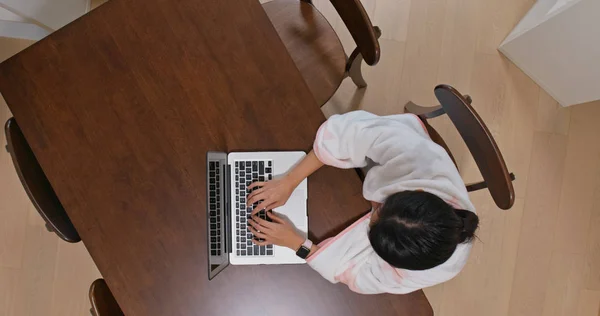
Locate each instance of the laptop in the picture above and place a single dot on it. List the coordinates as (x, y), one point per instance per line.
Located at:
(229, 238)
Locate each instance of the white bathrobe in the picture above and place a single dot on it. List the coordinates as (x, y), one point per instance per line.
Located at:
(399, 156)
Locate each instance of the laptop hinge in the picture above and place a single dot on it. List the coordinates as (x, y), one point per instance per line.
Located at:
(228, 232)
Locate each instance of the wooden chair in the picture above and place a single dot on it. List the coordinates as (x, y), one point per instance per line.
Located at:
(36, 184)
(317, 50)
(478, 139)
(102, 300)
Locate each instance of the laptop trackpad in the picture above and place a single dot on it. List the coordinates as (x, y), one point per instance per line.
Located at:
(295, 210)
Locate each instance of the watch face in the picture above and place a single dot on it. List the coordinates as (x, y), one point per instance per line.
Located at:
(303, 252)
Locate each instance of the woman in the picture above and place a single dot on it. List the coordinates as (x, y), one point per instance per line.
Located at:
(420, 229)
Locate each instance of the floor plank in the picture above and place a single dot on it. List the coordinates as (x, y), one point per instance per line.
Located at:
(486, 282)
(496, 20)
(8, 283)
(36, 277)
(422, 54)
(592, 266)
(579, 181)
(564, 283)
(552, 117)
(538, 224)
(381, 95)
(72, 282)
(589, 303)
(516, 129)
(435, 295)
(13, 208)
(392, 17)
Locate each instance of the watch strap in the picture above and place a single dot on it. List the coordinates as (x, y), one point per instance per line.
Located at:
(307, 244)
(304, 249)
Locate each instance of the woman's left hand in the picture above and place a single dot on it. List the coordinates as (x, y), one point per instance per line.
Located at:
(279, 232)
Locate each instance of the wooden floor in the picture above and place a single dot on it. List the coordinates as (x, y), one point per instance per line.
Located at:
(540, 258)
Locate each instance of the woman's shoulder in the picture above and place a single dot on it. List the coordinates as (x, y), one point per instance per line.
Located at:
(407, 119)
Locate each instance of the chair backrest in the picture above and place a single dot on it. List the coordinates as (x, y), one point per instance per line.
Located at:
(481, 144)
(36, 184)
(358, 23)
(102, 300)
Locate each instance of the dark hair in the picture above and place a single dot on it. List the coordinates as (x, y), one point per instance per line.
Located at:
(417, 230)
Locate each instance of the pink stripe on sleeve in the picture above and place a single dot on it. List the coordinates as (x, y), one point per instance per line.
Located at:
(421, 122)
(324, 242)
(330, 241)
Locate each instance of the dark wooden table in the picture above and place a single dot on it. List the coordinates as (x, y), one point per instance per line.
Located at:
(120, 108)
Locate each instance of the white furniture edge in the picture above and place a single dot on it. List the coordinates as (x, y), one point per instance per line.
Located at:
(7, 15)
(27, 18)
(24, 18)
(22, 30)
(537, 80)
(553, 11)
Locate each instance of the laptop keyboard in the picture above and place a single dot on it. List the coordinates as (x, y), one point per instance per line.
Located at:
(246, 172)
(214, 215)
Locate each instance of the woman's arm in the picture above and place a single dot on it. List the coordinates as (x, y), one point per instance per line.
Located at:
(275, 193)
(305, 168)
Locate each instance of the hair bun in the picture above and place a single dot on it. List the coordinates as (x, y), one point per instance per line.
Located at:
(470, 223)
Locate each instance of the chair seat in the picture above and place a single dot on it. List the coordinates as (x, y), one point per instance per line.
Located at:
(36, 184)
(102, 300)
(312, 43)
(437, 138)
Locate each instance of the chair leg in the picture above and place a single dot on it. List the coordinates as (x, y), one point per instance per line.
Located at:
(354, 69)
(354, 65)
(424, 112)
(471, 187)
(360, 173)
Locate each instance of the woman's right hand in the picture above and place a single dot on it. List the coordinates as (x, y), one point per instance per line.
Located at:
(274, 193)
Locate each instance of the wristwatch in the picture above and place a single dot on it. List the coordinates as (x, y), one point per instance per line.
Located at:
(304, 250)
